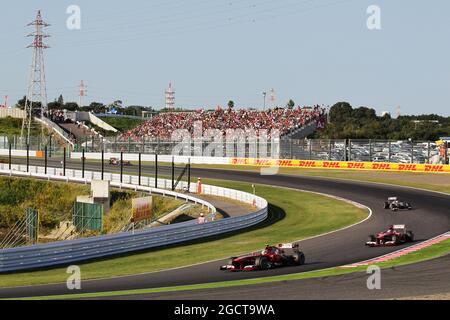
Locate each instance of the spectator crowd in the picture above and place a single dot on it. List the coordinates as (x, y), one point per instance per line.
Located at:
(57, 116)
(283, 119)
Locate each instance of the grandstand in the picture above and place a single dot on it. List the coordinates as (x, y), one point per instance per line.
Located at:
(285, 120)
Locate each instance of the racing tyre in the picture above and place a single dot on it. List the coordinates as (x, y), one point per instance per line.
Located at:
(299, 258)
(410, 236)
(230, 262)
(371, 238)
(395, 239)
(262, 263)
(386, 205)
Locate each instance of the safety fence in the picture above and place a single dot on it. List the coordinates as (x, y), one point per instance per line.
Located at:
(282, 163)
(419, 152)
(66, 252)
(402, 152)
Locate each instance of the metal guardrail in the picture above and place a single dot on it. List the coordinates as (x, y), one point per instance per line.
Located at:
(66, 252)
(55, 128)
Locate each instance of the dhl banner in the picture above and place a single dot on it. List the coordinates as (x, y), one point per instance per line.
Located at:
(343, 165)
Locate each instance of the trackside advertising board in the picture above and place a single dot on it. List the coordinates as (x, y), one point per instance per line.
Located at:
(142, 208)
(343, 165)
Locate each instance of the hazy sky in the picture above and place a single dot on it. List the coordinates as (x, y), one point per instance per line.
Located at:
(313, 51)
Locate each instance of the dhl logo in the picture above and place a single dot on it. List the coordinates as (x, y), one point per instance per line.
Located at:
(357, 165)
(432, 168)
(407, 167)
(262, 162)
(307, 164)
(327, 164)
(239, 161)
(381, 166)
(284, 163)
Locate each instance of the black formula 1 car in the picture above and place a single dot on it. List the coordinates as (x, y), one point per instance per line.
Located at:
(395, 205)
(395, 235)
(270, 257)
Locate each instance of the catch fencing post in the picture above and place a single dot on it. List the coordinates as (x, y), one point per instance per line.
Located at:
(64, 161)
(350, 150)
(103, 163)
(28, 157)
(140, 164)
(82, 163)
(173, 173)
(156, 171)
(121, 167)
(45, 159)
(10, 157)
(189, 175)
(412, 152)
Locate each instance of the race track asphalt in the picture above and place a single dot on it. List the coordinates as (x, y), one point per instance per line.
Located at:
(430, 217)
(403, 282)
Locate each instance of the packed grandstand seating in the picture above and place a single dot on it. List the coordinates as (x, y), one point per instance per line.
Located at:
(283, 119)
(57, 116)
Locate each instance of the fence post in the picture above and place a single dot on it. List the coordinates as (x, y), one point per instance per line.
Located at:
(45, 159)
(28, 157)
(173, 173)
(156, 171)
(10, 156)
(82, 163)
(370, 150)
(103, 163)
(121, 167)
(189, 175)
(349, 149)
(140, 164)
(412, 152)
(64, 161)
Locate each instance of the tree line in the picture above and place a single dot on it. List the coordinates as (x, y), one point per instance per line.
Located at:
(346, 122)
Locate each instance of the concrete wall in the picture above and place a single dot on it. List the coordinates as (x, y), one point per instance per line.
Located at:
(87, 116)
(14, 113)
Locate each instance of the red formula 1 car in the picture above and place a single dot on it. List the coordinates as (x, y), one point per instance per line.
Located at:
(270, 257)
(116, 162)
(395, 235)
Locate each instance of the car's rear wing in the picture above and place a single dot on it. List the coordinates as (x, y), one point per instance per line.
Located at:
(392, 199)
(292, 246)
